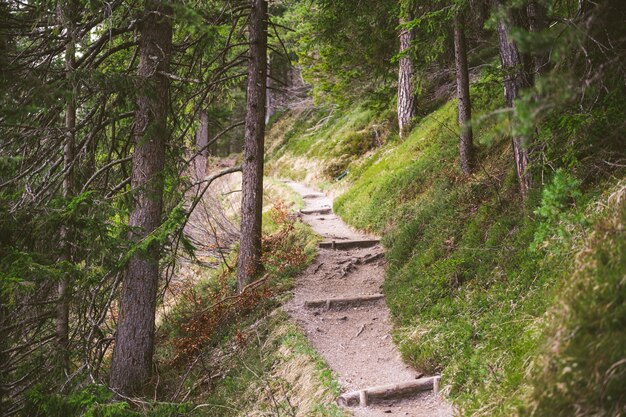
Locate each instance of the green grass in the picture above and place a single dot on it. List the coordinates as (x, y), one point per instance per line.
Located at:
(274, 191)
(472, 270)
(582, 367)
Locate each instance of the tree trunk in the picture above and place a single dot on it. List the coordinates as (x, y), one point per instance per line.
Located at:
(68, 11)
(4, 357)
(515, 79)
(202, 142)
(463, 93)
(406, 97)
(252, 188)
(269, 109)
(134, 343)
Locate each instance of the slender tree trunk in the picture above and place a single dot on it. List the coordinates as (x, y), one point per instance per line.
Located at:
(464, 104)
(202, 135)
(68, 10)
(252, 188)
(538, 22)
(202, 141)
(269, 109)
(134, 343)
(406, 95)
(4, 357)
(515, 79)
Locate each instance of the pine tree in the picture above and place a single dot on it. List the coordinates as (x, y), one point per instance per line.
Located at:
(463, 95)
(134, 343)
(252, 188)
(406, 94)
(515, 79)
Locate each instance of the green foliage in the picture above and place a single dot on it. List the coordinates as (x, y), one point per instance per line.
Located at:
(95, 401)
(559, 212)
(582, 370)
(343, 48)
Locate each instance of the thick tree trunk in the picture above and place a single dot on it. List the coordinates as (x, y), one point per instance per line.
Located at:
(464, 104)
(515, 79)
(252, 188)
(63, 290)
(406, 96)
(134, 343)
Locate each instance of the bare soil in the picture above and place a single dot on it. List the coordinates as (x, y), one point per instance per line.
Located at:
(355, 341)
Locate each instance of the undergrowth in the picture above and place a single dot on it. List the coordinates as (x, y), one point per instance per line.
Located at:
(220, 353)
(581, 369)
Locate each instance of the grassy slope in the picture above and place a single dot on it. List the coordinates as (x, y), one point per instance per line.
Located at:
(471, 272)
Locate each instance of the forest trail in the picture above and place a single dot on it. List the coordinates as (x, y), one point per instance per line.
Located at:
(354, 338)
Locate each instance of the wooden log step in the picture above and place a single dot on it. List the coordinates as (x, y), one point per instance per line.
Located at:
(349, 244)
(312, 195)
(316, 211)
(342, 302)
(371, 395)
(372, 257)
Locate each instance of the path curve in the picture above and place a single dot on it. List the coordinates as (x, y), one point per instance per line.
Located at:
(355, 341)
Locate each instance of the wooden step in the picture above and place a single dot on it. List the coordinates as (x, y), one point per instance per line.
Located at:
(349, 244)
(336, 303)
(316, 211)
(371, 395)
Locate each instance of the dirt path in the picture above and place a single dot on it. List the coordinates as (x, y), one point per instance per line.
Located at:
(354, 340)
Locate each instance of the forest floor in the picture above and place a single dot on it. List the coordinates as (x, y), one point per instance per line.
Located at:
(355, 340)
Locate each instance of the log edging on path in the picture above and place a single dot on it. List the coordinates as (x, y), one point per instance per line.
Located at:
(342, 302)
(367, 396)
(349, 244)
(316, 211)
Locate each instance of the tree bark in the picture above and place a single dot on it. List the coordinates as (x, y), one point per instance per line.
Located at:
(134, 343)
(67, 11)
(252, 188)
(515, 79)
(202, 142)
(464, 104)
(202, 135)
(4, 357)
(406, 96)
(269, 109)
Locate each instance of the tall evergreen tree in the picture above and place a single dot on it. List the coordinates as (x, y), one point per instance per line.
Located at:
(406, 93)
(515, 79)
(67, 11)
(463, 95)
(134, 343)
(252, 188)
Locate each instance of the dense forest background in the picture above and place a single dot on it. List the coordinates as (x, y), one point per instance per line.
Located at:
(484, 140)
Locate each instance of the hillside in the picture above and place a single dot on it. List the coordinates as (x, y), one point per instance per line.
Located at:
(477, 281)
